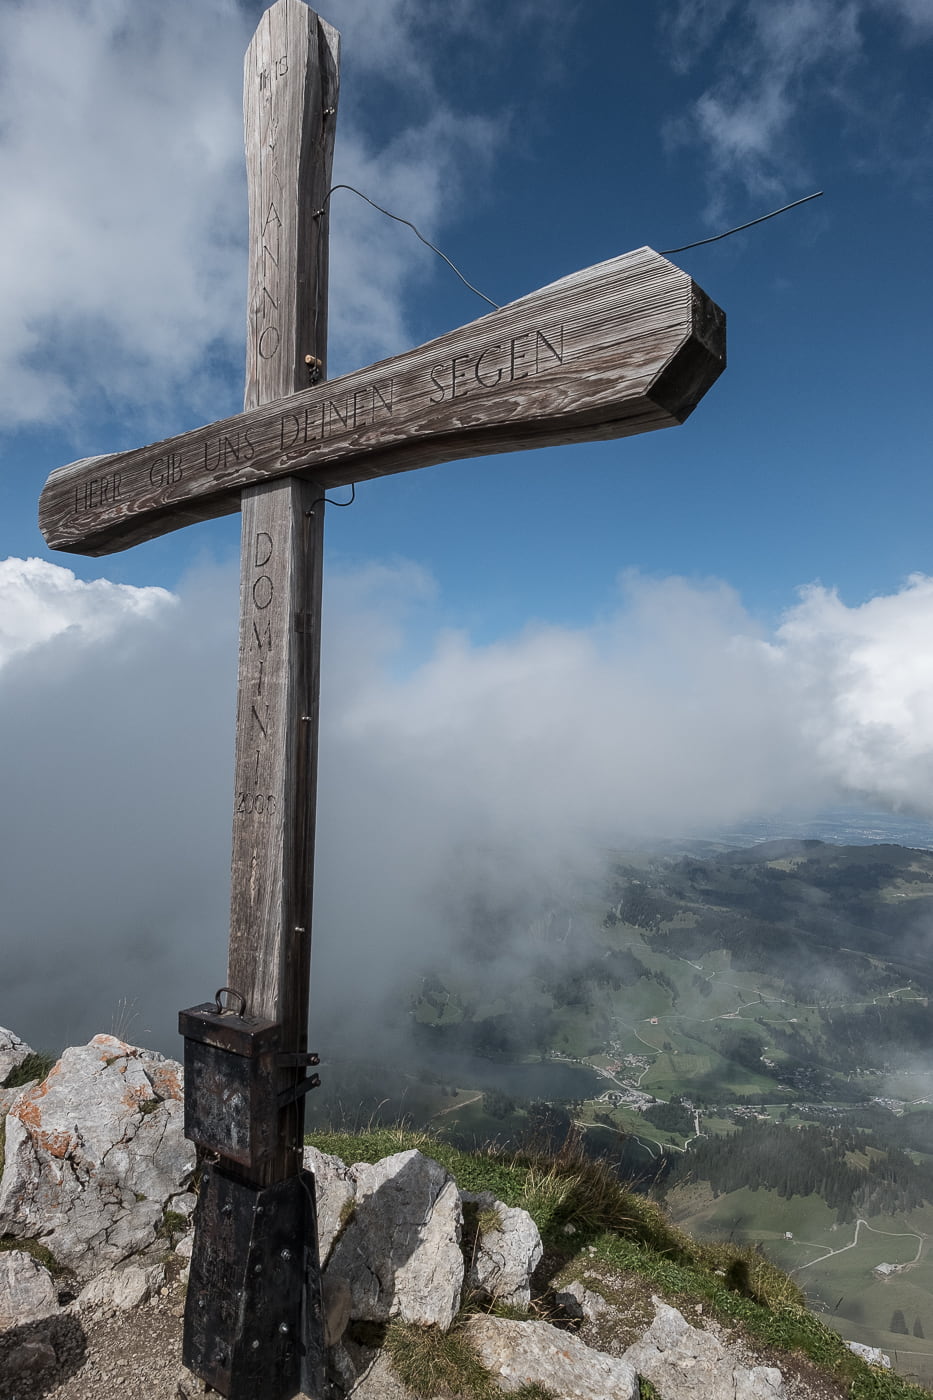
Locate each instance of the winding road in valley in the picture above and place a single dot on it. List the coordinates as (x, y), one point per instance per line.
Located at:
(895, 1234)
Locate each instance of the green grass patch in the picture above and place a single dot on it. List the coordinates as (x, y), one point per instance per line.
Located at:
(40, 1252)
(786, 1325)
(35, 1066)
(431, 1363)
(172, 1224)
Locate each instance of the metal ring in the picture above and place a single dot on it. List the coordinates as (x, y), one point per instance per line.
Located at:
(221, 1009)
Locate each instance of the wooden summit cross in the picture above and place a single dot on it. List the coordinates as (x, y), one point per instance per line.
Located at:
(621, 348)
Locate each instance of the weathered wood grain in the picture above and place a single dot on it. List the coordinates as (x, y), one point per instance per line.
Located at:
(289, 102)
(276, 767)
(290, 84)
(621, 348)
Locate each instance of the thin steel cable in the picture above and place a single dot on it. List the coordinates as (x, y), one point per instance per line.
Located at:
(665, 252)
(408, 224)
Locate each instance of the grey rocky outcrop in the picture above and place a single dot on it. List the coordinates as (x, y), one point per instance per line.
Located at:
(335, 1193)
(522, 1353)
(27, 1289)
(95, 1154)
(506, 1253)
(693, 1364)
(400, 1250)
(13, 1052)
(580, 1302)
(122, 1289)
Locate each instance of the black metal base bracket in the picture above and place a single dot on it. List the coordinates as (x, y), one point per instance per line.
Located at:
(253, 1318)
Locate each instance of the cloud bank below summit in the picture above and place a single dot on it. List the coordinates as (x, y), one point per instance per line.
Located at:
(512, 765)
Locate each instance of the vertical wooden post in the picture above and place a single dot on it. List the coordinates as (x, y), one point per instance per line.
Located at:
(289, 99)
(253, 1316)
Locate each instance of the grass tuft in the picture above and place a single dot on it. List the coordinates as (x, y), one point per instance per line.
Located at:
(35, 1066)
(172, 1225)
(40, 1252)
(433, 1363)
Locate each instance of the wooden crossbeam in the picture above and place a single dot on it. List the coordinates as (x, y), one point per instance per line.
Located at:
(624, 347)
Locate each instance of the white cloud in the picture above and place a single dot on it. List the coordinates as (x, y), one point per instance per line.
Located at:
(771, 72)
(508, 767)
(120, 157)
(918, 13)
(40, 601)
(865, 678)
(123, 224)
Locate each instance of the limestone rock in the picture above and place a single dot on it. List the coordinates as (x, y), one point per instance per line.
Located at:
(519, 1353)
(366, 1374)
(122, 1289)
(8, 1097)
(758, 1383)
(95, 1153)
(337, 1301)
(400, 1251)
(189, 1386)
(694, 1365)
(27, 1289)
(13, 1052)
(874, 1356)
(506, 1256)
(335, 1192)
(30, 1359)
(185, 1246)
(580, 1302)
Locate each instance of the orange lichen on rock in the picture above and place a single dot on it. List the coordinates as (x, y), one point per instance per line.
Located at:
(55, 1144)
(27, 1108)
(115, 1049)
(29, 1112)
(166, 1081)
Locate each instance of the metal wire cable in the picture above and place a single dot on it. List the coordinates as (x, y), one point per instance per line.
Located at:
(408, 224)
(665, 252)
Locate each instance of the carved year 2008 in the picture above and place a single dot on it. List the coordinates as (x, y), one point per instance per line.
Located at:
(256, 804)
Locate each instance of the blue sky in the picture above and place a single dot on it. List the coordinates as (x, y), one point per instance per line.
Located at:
(529, 143)
(558, 649)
